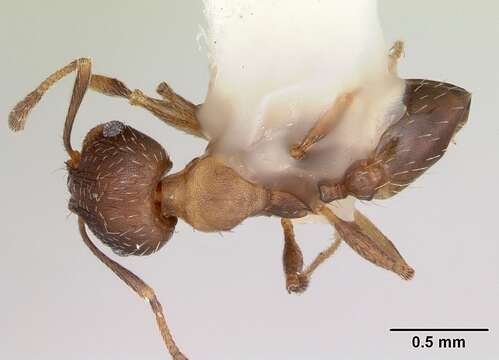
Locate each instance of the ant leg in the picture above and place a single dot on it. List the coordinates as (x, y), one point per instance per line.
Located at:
(296, 279)
(140, 287)
(323, 126)
(323, 255)
(171, 96)
(377, 236)
(363, 237)
(292, 259)
(394, 55)
(174, 110)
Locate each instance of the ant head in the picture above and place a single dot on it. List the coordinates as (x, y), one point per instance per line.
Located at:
(115, 189)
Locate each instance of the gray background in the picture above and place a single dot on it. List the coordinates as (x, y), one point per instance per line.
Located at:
(224, 294)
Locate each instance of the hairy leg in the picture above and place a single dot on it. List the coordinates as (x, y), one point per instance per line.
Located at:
(323, 255)
(172, 109)
(297, 279)
(323, 126)
(174, 112)
(363, 237)
(140, 288)
(378, 237)
(394, 55)
(292, 259)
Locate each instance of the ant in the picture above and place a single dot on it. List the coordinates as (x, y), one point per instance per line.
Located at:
(120, 191)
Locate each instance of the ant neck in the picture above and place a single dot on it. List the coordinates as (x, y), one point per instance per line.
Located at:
(172, 190)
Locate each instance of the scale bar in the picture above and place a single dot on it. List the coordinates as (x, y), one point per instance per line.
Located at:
(439, 329)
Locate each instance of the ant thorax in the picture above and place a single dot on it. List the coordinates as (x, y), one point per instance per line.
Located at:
(273, 77)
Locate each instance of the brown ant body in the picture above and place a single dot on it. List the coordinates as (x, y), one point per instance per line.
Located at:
(120, 191)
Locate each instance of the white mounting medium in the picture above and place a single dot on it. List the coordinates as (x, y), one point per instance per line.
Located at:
(276, 66)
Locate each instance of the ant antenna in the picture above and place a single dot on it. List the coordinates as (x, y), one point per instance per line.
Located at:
(18, 115)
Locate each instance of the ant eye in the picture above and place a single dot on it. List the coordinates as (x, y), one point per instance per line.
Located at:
(112, 128)
(114, 189)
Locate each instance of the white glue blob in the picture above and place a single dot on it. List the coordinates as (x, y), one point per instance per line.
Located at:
(276, 66)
